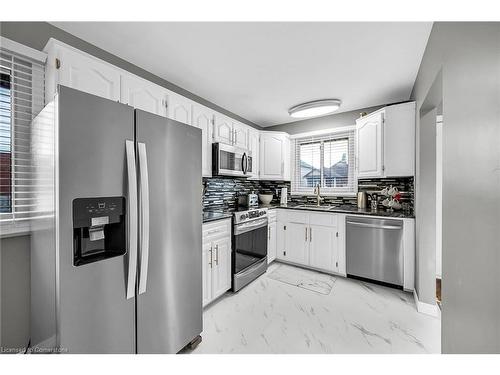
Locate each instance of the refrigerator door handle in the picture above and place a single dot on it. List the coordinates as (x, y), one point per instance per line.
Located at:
(132, 218)
(144, 216)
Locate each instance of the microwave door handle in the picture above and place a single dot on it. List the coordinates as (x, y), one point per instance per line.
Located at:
(243, 167)
(132, 218)
(144, 216)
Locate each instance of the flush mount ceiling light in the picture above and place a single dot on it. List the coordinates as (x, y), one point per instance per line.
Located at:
(315, 108)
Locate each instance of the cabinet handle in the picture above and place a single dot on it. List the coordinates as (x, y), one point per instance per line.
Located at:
(216, 255)
(269, 233)
(310, 234)
(306, 234)
(211, 252)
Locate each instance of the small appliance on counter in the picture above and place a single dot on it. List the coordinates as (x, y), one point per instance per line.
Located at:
(362, 199)
(249, 200)
(284, 196)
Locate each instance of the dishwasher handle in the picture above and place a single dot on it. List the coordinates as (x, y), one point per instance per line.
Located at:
(365, 225)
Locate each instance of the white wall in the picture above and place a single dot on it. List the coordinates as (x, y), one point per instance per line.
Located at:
(467, 54)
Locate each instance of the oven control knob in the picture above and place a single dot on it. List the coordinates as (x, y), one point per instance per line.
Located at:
(243, 217)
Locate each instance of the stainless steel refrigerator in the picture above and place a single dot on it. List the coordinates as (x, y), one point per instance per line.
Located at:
(116, 262)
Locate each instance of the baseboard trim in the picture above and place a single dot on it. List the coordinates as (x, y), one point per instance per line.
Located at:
(425, 308)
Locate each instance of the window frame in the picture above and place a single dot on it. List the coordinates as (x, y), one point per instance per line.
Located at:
(10, 224)
(349, 133)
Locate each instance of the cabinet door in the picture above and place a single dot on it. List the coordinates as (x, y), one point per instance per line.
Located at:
(240, 135)
(202, 119)
(271, 156)
(271, 242)
(144, 95)
(207, 272)
(323, 247)
(180, 108)
(222, 267)
(88, 74)
(253, 146)
(286, 159)
(223, 129)
(296, 243)
(369, 145)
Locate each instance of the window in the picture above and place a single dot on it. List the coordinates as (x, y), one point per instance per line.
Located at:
(5, 142)
(21, 98)
(326, 160)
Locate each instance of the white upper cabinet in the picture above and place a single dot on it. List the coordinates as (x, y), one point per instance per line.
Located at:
(399, 140)
(143, 94)
(231, 132)
(202, 119)
(69, 67)
(270, 150)
(253, 147)
(240, 131)
(274, 156)
(386, 142)
(369, 145)
(180, 108)
(223, 129)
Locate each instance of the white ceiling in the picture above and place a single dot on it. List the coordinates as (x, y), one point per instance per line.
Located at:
(259, 70)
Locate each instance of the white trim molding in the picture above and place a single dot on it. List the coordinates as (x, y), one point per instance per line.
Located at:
(316, 133)
(425, 308)
(23, 50)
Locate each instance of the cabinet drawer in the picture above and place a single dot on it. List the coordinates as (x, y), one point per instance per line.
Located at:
(329, 220)
(298, 217)
(220, 228)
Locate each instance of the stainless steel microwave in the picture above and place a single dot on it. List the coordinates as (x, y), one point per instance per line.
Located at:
(231, 161)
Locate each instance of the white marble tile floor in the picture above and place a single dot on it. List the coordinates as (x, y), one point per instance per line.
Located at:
(270, 316)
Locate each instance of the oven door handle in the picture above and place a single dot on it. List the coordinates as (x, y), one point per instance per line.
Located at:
(247, 227)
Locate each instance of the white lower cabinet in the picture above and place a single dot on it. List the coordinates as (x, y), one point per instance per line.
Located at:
(207, 272)
(296, 243)
(216, 259)
(311, 240)
(272, 240)
(221, 266)
(323, 247)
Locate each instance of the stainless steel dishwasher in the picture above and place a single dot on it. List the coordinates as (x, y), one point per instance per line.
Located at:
(374, 249)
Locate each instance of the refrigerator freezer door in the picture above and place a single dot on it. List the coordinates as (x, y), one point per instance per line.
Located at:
(92, 312)
(169, 313)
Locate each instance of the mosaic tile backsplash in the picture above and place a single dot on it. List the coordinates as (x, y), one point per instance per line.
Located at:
(223, 192)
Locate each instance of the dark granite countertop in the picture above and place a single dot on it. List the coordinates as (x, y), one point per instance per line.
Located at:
(208, 216)
(224, 213)
(353, 210)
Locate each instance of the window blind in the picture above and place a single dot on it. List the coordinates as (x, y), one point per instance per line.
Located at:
(21, 99)
(327, 160)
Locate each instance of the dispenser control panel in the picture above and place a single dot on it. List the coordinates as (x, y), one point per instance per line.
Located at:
(94, 211)
(98, 229)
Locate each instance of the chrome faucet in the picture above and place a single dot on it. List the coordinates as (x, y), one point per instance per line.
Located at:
(318, 196)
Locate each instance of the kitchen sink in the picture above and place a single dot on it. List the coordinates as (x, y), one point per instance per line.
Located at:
(322, 207)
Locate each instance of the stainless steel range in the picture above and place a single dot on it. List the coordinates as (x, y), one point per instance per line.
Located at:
(249, 259)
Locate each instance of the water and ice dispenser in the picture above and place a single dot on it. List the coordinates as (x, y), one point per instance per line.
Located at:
(99, 229)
